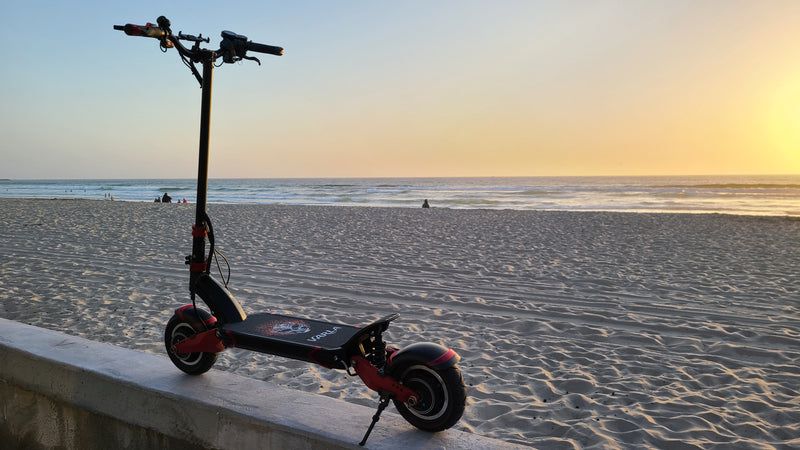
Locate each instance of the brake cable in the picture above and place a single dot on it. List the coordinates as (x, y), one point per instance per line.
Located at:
(190, 64)
(213, 252)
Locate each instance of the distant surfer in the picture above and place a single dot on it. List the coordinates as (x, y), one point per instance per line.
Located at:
(425, 204)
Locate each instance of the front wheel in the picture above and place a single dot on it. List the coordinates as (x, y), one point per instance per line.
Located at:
(191, 363)
(442, 397)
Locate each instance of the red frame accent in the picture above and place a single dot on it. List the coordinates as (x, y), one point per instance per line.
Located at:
(231, 339)
(391, 354)
(198, 267)
(199, 231)
(311, 356)
(369, 375)
(448, 355)
(206, 342)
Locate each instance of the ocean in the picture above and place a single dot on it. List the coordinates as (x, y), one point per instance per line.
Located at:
(767, 195)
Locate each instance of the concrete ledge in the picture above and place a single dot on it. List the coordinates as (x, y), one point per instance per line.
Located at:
(58, 390)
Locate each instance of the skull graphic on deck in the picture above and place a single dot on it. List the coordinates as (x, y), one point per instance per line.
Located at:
(284, 327)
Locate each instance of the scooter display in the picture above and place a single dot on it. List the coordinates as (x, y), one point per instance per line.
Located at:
(422, 379)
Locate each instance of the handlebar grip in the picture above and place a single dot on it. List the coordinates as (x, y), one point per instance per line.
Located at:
(142, 30)
(263, 48)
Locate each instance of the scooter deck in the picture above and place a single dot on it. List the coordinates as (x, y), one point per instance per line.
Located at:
(325, 343)
(278, 328)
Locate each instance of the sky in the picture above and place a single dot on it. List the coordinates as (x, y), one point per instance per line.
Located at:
(406, 89)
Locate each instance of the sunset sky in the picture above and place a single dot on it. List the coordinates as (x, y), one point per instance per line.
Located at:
(407, 88)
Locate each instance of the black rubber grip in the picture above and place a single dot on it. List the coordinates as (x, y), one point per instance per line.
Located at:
(263, 48)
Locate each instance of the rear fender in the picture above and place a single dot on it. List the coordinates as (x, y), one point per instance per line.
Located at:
(432, 355)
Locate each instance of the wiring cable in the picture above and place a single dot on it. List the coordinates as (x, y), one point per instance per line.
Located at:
(213, 252)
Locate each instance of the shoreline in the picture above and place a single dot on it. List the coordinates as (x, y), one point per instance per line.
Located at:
(575, 328)
(741, 195)
(789, 217)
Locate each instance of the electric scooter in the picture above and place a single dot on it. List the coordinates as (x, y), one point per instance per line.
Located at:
(422, 380)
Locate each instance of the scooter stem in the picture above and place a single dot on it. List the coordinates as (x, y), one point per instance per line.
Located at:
(198, 258)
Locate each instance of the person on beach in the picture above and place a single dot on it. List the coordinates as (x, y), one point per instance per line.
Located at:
(166, 198)
(425, 204)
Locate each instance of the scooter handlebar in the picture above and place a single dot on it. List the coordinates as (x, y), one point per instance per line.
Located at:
(263, 48)
(148, 30)
(234, 47)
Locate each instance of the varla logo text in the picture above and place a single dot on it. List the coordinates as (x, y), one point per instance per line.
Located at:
(323, 334)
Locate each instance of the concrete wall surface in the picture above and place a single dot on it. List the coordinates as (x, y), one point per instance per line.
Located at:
(61, 391)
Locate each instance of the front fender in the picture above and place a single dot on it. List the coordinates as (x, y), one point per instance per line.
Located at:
(199, 319)
(432, 355)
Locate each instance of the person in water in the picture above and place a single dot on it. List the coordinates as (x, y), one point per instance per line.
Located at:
(425, 204)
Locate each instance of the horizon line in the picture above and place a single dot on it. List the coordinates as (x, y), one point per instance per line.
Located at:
(417, 177)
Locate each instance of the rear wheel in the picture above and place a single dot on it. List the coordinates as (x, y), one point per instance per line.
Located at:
(191, 363)
(442, 397)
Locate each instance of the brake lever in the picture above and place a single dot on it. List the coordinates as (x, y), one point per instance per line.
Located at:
(251, 58)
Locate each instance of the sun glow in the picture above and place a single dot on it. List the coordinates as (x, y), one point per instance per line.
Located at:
(783, 124)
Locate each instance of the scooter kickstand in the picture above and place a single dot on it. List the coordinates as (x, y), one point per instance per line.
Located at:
(381, 406)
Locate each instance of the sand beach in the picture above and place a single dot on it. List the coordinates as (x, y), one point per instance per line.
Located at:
(576, 329)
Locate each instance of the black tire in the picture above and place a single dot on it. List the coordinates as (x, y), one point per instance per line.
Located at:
(443, 396)
(191, 363)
